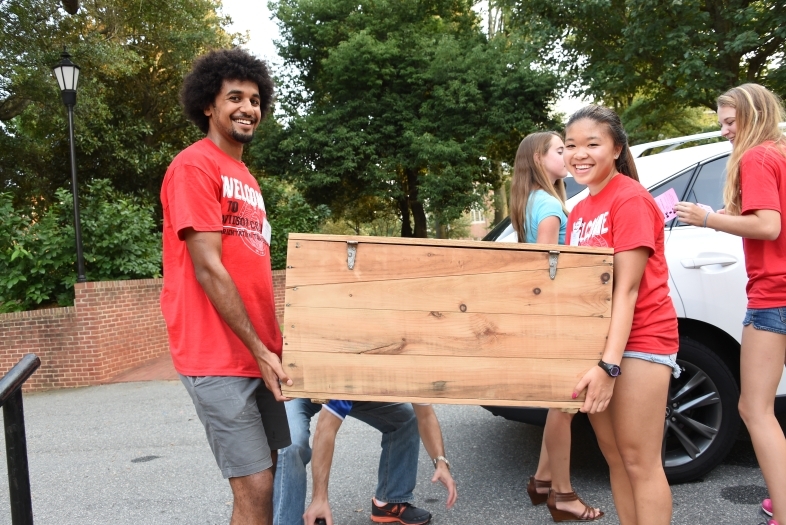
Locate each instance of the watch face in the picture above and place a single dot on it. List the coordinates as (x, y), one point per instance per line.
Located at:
(612, 370)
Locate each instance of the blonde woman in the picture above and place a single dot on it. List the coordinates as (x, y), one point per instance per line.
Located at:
(538, 215)
(755, 197)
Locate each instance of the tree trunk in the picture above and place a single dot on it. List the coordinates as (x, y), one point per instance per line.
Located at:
(406, 227)
(442, 232)
(418, 211)
(500, 203)
(500, 197)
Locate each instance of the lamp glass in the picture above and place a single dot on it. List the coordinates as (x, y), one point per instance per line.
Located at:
(67, 76)
(58, 71)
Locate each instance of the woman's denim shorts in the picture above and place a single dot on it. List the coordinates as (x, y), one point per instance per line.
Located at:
(767, 319)
(668, 360)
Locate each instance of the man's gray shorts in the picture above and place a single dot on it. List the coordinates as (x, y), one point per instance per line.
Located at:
(242, 420)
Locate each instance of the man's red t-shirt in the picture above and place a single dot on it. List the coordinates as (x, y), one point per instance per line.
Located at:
(763, 183)
(209, 191)
(624, 216)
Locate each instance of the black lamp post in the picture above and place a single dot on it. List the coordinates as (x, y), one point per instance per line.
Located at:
(67, 75)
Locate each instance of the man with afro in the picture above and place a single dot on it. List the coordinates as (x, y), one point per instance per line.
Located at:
(217, 298)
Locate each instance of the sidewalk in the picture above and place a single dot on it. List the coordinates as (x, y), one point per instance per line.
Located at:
(158, 369)
(134, 453)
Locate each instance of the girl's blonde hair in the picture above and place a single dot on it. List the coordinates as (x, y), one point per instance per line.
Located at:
(530, 175)
(758, 112)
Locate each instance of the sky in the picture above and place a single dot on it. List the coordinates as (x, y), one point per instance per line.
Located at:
(252, 17)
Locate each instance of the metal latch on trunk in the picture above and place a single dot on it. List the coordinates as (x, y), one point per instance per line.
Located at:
(352, 251)
(553, 260)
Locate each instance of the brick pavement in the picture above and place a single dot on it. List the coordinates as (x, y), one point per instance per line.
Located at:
(158, 369)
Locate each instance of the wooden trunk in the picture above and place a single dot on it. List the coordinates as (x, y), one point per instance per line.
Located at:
(443, 321)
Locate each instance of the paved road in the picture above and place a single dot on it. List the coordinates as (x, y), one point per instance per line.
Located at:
(135, 453)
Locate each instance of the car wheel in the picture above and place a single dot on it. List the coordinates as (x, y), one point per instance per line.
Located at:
(702, 420)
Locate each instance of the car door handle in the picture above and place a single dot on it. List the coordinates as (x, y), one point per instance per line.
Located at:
(698, 262)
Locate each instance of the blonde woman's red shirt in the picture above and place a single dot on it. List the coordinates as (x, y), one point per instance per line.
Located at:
(763, 184)
(624, 216)
(209, 191)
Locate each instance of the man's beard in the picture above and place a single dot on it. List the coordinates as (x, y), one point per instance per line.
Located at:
(242, 137)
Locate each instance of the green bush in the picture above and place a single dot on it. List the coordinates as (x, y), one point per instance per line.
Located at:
(288, 213)
(38, 250)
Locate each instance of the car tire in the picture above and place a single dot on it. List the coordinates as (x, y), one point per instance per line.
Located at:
(702, 420)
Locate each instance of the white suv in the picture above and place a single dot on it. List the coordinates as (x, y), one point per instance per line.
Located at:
(707, 280)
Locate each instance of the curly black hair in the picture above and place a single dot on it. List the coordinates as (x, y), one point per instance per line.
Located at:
(203, 83)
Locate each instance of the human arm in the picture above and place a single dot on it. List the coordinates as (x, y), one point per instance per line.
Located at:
(321, 461)
(764, 225)
(628, 270)
(548, 230)
(431, 435)
(205, 251)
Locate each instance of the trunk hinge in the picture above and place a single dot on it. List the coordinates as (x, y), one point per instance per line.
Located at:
(553, 260)
(352, 250)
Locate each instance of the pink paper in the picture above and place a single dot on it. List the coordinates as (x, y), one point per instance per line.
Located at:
(666, 202)
(705, 207)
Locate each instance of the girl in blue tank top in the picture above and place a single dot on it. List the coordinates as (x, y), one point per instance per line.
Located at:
(538, 215)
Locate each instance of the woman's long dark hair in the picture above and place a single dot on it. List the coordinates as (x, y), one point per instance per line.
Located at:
(624, 163)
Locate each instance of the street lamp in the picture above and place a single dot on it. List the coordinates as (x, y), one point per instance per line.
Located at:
(67, 75)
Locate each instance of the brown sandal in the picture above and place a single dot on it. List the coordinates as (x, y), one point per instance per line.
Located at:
(532, 489)
(564, 515)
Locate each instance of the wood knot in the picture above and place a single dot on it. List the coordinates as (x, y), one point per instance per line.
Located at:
(438, 315)
(463, 307)
(604, 277)
(439, 386)
(536, 291)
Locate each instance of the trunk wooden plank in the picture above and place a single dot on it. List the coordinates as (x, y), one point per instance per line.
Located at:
(392, 332)
(443, 321)
(444, 379)
(389, 261)
(443, 401)
(576, 292)
(412, 241)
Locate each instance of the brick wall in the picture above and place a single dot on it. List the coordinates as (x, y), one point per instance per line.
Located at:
(279, 288)
(120, 325)
(113, 326)
(49, 334)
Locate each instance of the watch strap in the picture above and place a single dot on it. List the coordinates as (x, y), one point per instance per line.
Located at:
(441, 458)
(611, 369)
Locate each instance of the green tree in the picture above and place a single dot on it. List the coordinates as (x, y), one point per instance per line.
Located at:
(397, 102)
(38, 253)
(646, 120)
(129, 123)
(682, 53)
(288, 213)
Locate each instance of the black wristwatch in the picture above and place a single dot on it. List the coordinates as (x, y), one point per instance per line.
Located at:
(612, 370)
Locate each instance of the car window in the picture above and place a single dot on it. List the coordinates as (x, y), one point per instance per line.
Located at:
(708, 186)
(572, 188)
(679, 184)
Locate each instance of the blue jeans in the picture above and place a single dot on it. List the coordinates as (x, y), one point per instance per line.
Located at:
(767, 319)
(398, 463)
(669, 360)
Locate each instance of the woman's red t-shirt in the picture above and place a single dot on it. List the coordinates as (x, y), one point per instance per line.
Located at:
(623, 215)
(763, 184)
